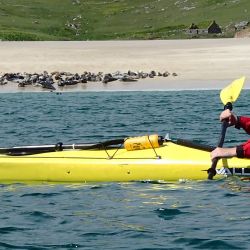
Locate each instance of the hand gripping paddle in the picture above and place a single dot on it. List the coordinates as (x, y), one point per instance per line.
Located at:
(228, 96)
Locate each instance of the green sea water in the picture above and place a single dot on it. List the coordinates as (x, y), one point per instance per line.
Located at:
(190, 215)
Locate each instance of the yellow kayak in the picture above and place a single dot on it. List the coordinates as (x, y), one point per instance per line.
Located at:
(167, 162)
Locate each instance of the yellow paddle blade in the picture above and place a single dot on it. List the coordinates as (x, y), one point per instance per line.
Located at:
(232, 91)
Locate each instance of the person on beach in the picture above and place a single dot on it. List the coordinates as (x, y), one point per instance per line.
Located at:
(241, 151)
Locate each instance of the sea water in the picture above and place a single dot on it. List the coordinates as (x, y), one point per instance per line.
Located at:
(138, 215)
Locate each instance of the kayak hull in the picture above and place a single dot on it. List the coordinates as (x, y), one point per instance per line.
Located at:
(170, 162)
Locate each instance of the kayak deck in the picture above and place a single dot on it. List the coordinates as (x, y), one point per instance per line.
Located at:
(170, 162)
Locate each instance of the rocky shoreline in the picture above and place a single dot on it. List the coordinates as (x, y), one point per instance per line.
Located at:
(49, 81)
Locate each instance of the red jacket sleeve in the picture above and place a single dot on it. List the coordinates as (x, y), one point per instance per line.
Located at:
(244, 122)
(243, 150)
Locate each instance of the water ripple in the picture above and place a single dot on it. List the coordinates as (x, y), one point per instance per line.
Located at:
(40, 195)
(207, 243)
(169, 213)
(138, 215)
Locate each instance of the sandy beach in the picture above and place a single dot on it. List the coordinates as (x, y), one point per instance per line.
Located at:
(199, 64)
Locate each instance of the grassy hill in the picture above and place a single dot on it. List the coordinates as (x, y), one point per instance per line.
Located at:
(115, 19)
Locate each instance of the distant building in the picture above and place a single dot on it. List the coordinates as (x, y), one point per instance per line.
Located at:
(193, 27)
(213, 28)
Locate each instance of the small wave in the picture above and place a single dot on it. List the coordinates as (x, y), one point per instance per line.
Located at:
(168, 213)
(39, 216)
(4, 245)
(40, 195)
(99, 234)
(230, 195)
(7, 230)
(218, 244)
(97, 187)
(202, 243)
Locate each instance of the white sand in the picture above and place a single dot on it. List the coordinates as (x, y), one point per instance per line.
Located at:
(204, 63)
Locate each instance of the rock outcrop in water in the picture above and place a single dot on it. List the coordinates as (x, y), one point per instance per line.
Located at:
(49, 81)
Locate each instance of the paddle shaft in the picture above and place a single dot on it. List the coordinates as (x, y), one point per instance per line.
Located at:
(224, 126)
(57, 147)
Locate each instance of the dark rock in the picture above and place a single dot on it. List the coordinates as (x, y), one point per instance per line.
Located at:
(165, 74)
(128, 79)
(3, 81)
(153, 73)
(131, 73)
(83, 79)
(21, 84)
(48, 85)
(61, 83)
(108, 78)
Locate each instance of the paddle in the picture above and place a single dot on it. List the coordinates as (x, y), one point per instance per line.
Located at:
(228, 96)
(26, 150)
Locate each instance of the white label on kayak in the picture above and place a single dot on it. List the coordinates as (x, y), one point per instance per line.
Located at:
(223, 171)
(233, 171)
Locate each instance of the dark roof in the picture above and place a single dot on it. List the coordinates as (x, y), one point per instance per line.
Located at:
(193, 26)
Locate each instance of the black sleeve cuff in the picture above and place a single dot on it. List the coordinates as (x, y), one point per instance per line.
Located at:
(240, 151)
(237, 124)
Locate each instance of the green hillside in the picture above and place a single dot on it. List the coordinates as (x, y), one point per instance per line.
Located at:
(115, 19)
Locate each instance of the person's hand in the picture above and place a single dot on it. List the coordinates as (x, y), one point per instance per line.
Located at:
(223, 153)
(228, 115)
(216, 153)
